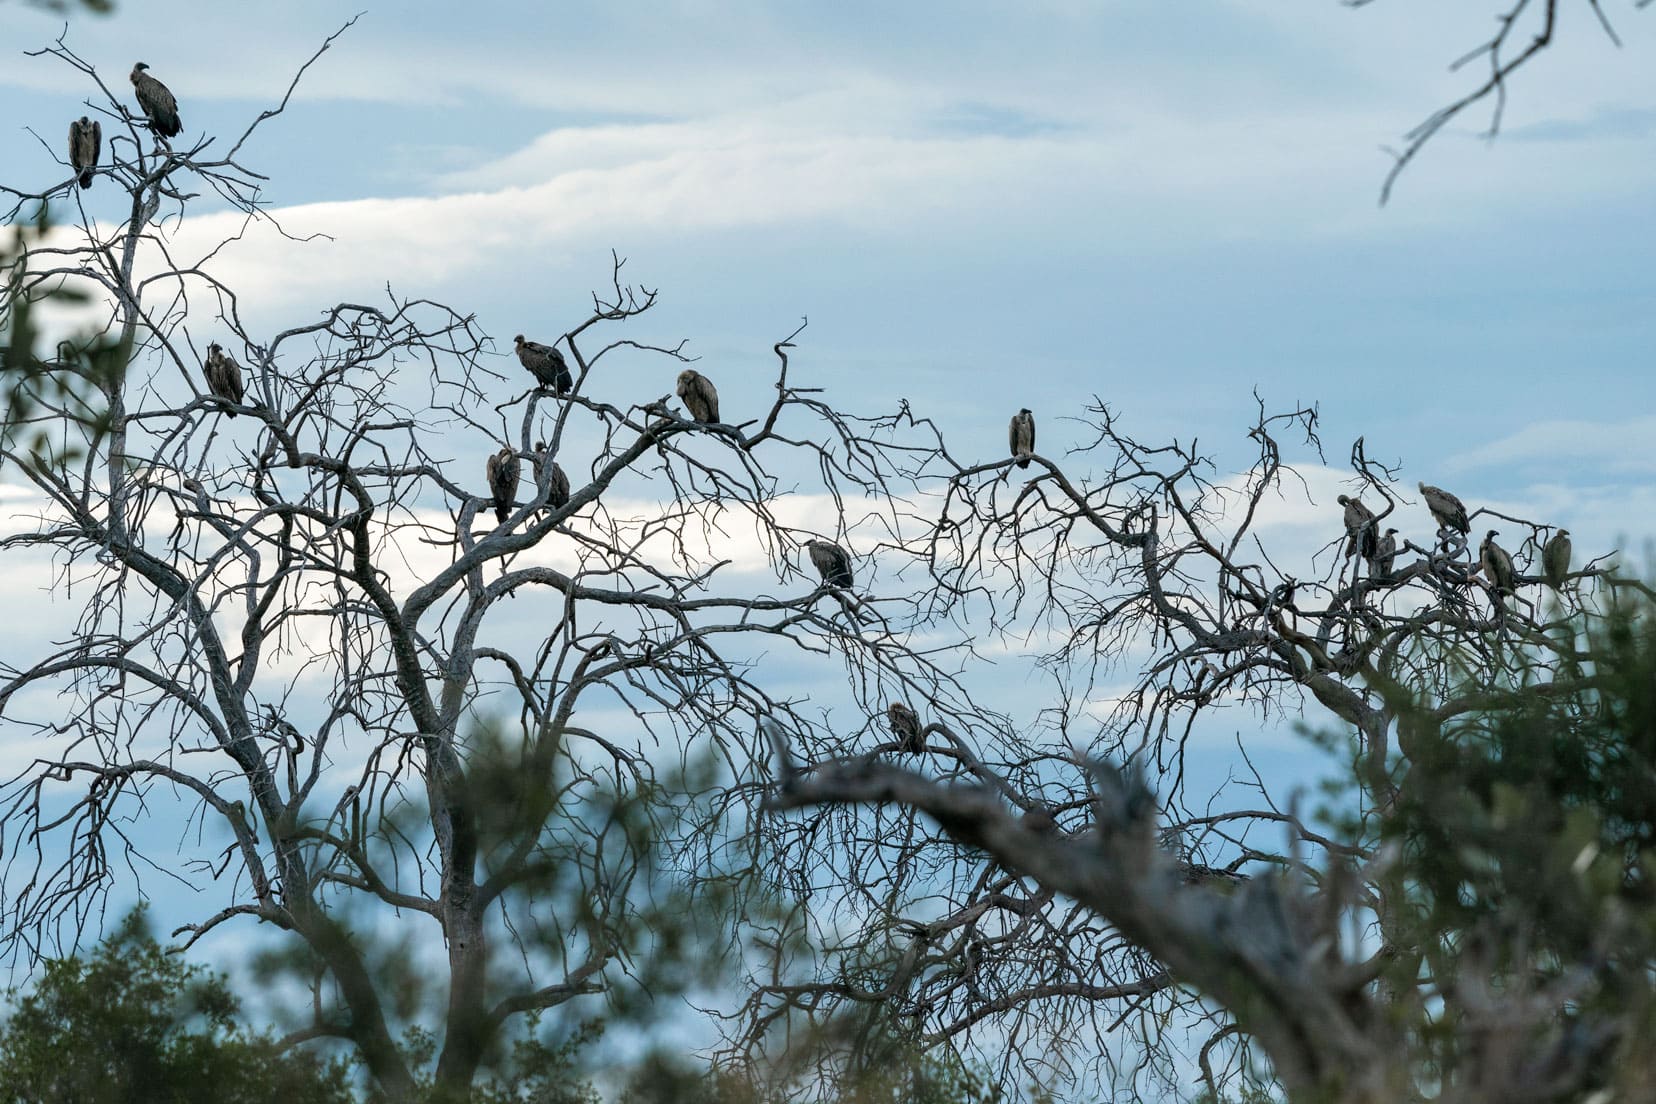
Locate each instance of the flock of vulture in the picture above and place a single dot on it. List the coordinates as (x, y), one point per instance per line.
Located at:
(1363, 538)
(86, 134)
(701, 399)
(551, 371)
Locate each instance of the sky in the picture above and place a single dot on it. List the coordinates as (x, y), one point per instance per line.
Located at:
(978, 206)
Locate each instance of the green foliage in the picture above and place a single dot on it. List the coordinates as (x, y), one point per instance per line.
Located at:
(906, 1076)
(64, 7)
(1525, 834)
(135, 1023)
(540, 1072)
(539, 1068)
(56, 409)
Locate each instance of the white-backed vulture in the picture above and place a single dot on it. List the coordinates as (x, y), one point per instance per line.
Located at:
(1385, 556)
(1040, 819)
(831, 562)
(1497, 565)
(224, 376)
(1447, 510)
(905, 725)
(1555, 559)
(503, 470)
(159, 106)
(546, 364)
(85, 147)
(1021, 436)
(557, 490)
(699, 395)
(1359, 527)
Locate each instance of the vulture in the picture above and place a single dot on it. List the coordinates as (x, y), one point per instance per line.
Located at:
(1447, 510)
(831, 561)
(1555, 559)
(700, 398)
(1497, 565)
(1359, 526)
(502, 469)
(557, 495)
(1385, 556)
(905, 725)
(159, 106)
(224, 375)
(1041, 820)
(546, 364)
(1021, 436)
(85, 144)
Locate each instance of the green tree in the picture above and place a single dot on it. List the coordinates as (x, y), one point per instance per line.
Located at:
(133, 1022)
(1495, 940)
(52, 407)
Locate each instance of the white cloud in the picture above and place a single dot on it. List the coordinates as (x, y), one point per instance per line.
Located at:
(1622, 447)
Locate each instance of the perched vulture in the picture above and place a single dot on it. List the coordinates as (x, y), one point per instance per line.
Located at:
(1497, 565)
(546, 364)
(1021, 436)
(699, 396)
(224, 376)
(1039, 819)
(85, 146)
(831, 561)
(503, 469)
(1359, 526)
(557, 492)
(1555, 559)
(1385, 556)
(159, 106)
(905, 725)
(1447, 510)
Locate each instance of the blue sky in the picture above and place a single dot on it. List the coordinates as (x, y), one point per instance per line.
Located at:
(979, 207)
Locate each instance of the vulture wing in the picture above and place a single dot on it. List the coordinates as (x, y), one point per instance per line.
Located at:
(158, 104)
(558, 496)
(85, 146)
(502, 470)
(1555, 559)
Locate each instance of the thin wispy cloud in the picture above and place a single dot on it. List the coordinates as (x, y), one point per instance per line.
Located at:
(1554, 449)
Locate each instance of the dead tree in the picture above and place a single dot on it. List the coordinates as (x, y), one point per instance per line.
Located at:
(1523, 30)
(291, 628)
(1147, 572)
(295, 622)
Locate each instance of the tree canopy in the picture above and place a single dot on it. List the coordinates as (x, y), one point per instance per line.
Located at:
(133, 1022)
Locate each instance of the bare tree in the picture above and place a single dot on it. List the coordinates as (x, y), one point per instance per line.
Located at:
(1067, 895)
(1523, 29)
(293, 625)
